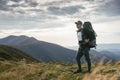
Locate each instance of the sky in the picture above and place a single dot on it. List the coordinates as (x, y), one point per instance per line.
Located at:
(53, 20)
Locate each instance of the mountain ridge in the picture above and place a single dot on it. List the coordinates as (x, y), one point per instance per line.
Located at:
(11, 53)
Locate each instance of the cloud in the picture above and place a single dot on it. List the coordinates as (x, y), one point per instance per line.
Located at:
(57, 3)
(70, 10)
(3, 2)
(16, 0)
(31, 3)
(3, 6)
(25, 3)
(23, 7)
(44, 14)
(61, 7)
(109, 8)
(17, 6)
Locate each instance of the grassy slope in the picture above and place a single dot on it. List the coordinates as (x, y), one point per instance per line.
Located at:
(11, 70)
(10, 53)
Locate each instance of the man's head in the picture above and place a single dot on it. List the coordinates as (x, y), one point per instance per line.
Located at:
(78, 24)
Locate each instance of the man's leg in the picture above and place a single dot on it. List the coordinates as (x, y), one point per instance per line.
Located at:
(78, 57)
(87, 57)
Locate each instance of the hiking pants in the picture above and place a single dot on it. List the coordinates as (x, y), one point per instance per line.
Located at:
(85, 52)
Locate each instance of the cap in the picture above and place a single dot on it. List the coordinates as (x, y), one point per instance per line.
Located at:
(78, 22)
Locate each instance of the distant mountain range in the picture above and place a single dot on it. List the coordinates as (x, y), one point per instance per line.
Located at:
(46, 52)
(108, 51)
(13, 54)
(103, 47)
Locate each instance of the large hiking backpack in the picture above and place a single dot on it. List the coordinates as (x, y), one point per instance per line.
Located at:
(92, 42)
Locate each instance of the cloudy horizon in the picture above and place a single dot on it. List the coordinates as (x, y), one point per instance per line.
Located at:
(53, 20)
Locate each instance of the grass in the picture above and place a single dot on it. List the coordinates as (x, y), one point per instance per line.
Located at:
(22, 70)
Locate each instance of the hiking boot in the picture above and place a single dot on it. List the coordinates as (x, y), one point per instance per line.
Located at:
(89, 71)
(77, 71)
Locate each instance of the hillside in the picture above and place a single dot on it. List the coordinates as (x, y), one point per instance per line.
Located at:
(40, 50)
(10, 70)
(10, 53)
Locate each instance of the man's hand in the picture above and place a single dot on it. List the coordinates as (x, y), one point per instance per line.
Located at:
(86, 40)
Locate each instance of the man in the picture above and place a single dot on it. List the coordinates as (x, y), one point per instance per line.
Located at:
(83, 48)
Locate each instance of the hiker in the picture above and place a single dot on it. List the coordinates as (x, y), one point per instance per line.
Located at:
(84, 35)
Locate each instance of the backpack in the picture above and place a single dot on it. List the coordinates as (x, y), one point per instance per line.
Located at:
(92, 42)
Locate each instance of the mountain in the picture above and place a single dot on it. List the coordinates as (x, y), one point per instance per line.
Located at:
(103, 47)
(108, 47)
(40, 50)
(18, 40)
(110, 51)
(10, 53)
(111, 55)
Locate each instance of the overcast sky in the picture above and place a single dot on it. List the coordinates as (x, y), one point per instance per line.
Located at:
(53, 20)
